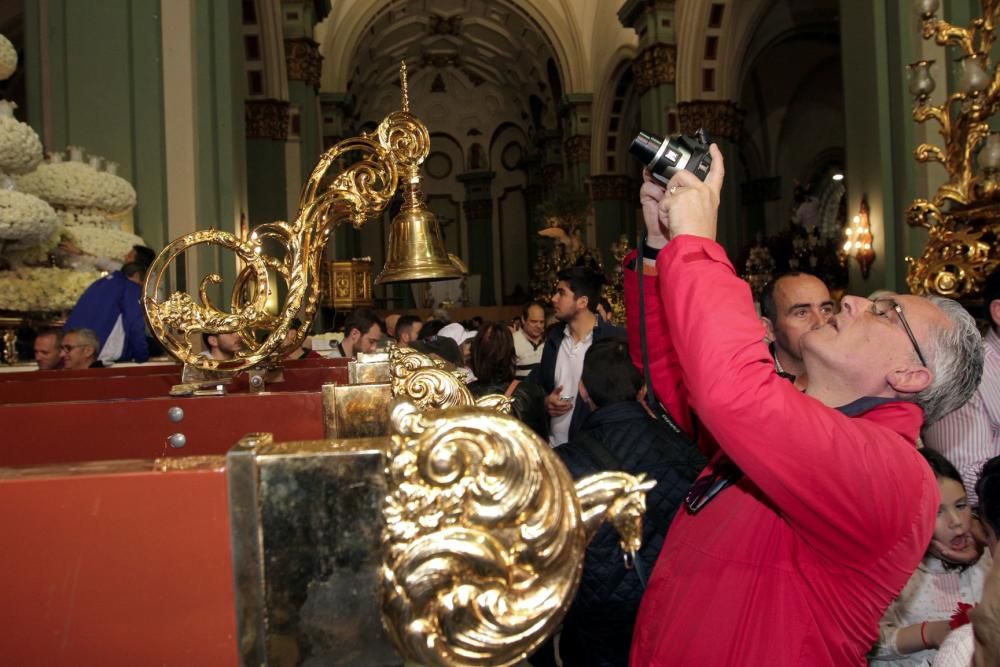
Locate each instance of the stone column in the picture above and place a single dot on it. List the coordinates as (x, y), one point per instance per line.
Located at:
(336, 112)
(655, 66)
(552, 164)
(267, 122)
(879, 40)
(478, 208)
(67, 45)
(615, 198)
(534, 194)
(723, 121)
(576, 112)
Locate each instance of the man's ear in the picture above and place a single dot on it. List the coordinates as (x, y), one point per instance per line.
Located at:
(768, 329)
(354, 335)
(995, 312)
(213, 341)
(910, 380)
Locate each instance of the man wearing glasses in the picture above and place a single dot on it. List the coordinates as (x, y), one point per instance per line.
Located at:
(816, 507)
(79, 349)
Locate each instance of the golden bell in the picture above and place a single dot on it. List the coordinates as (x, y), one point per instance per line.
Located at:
(416, 247)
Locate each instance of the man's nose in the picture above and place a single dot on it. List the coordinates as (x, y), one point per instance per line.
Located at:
(852, 305)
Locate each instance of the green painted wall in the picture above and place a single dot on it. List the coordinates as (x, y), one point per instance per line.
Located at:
(105, 91)
(873, 148)
(266, 196)
(219, 125)
(305, 98)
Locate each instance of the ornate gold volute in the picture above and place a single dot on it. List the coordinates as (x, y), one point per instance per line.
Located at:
(962, 217)
(356, 194)
(485, 535)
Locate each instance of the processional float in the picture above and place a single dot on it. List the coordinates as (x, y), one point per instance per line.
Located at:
(425, 526)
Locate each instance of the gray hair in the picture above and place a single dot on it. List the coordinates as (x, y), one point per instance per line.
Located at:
(86, 337)
(955, 359)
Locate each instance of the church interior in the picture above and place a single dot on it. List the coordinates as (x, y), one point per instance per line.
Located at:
(288, 164)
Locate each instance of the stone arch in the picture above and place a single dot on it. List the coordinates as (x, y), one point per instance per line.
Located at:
(604, 104)
(264, 37)
(739, 21)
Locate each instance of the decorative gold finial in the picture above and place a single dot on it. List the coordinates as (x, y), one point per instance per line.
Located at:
(404, 86)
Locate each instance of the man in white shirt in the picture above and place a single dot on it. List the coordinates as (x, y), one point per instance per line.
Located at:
(528, 339)
(575, 303)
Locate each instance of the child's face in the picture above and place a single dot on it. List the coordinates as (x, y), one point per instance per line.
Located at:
(953, 537)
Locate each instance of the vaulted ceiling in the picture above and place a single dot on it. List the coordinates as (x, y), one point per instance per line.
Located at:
(478, 52)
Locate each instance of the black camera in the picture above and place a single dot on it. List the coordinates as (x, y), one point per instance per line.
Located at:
(665, 157)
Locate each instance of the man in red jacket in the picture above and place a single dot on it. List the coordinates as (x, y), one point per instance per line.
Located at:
(816, 507)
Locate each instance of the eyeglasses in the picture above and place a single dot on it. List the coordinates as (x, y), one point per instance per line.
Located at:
(902, 320)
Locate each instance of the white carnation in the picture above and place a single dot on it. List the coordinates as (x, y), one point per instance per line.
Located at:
(43, 289)
(25, 220)
(20, 149)
(77, 184)
(8, 58)
(102, 242)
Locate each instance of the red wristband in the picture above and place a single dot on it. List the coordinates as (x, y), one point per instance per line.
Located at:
(922, 637)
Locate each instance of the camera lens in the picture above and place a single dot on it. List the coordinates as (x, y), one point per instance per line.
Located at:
(644, 147)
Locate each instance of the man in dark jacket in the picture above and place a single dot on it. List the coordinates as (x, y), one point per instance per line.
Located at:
(620, 435)
(575, 302)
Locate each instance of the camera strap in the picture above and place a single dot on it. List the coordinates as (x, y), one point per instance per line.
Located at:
(652, 401)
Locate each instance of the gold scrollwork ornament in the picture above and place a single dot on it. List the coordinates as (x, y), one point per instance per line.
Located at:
(485, 535)
(430, 385)
(328, 199)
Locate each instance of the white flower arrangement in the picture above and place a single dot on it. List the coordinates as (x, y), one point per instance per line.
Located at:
(25, 220)
(102, 242)
(89, 217)
(43, 289)
(38, 255)
(20, 149)
(79, 185)
(8, 58)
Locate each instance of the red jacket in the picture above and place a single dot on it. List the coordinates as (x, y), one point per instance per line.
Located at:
(795, 564)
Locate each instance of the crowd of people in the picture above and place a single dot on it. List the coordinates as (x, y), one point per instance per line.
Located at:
(828, 473)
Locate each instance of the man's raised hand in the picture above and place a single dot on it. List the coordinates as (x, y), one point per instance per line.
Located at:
(690, 205)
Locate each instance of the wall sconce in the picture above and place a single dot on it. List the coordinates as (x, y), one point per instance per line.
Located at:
(859, 239)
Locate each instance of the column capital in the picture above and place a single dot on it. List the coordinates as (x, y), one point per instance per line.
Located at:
(611, 186)
(632, 10)
(656, 65)
(267, 119)
(303, 61)
(720, 118)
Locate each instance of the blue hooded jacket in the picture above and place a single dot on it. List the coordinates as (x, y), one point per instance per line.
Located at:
(100, 306)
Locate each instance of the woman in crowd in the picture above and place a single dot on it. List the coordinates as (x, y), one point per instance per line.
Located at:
(493, 362)
(947, 580)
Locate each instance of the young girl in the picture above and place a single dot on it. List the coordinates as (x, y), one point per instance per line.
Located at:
(953, 571)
